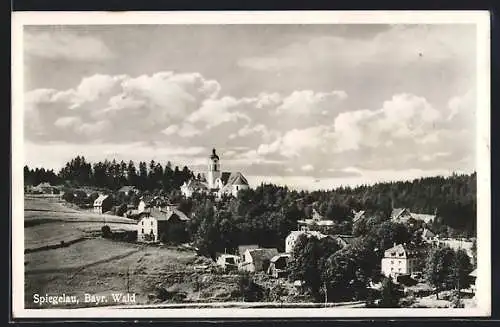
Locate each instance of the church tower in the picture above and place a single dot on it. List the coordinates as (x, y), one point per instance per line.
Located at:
(213, 170)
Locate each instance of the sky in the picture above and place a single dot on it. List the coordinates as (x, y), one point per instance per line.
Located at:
(310, 106)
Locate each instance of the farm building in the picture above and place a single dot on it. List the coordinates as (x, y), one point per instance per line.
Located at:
(164, 226)
(278, 265)
(228, 261)
(103, 204)
(257, 259)
(404, 214)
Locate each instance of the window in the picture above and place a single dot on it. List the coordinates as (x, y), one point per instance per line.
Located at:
(143, 230)
(142, 223)
(151, 223)
(392, 262)
(399, 261)
(392, 269)
(399, 269)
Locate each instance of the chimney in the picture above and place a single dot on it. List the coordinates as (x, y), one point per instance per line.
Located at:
(394, 244)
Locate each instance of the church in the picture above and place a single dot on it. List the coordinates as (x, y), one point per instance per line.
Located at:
(216, 181)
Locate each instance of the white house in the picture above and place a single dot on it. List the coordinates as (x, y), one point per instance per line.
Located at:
(102, 204)
(216, 181)
(228, 261)
(292, 238)
(317, 221)
(153, 227)
(399, 260)
(404, 214)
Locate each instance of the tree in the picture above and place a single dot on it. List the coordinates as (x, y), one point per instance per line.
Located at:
(439, 269)
(461, 269)
(390, 294)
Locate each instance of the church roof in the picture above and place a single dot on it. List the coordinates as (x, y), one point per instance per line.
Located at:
(224, 177)
(237, 179)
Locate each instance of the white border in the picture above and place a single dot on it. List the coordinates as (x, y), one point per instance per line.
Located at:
(479, 18)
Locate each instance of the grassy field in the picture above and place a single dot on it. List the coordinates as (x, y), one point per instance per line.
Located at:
(101, 267)
(48, 222)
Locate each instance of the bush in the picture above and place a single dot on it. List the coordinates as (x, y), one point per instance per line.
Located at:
(120, 210)
(249, 290)
(106, 231)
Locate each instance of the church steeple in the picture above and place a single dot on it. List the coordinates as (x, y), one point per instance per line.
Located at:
(213, 169)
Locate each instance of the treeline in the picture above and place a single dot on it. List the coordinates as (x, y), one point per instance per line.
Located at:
(40, 175)
(152, 176)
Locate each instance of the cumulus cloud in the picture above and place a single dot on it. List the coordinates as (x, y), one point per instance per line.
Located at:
(304, 131)
(65, 45)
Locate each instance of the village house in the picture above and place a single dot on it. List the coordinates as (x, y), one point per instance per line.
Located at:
(343, 240)
(255, 260)
(399, 260)
(45, 188)
(128, 190)
(292, 238)
(103, 204)
(228, 261)
(243, 248)
(428, 236)
(358, 216)
(278, 265)
(315, 223)
(403, 215)
(216, 181)
(163, 225)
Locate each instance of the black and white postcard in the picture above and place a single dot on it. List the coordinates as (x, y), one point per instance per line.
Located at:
(251, 164)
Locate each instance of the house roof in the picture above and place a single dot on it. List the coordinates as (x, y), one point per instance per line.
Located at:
(424, 217)
(347, 239)
(395, 251)
(279, 256)
(427, 233)
(316, 222)
(127, 188)
(44, 184)
(196, 185)
(100, 199)
(243, 248)
(397, 212)
(316, 234)
(237, 179)
(358, 215)
(259, 255)
(165, 215)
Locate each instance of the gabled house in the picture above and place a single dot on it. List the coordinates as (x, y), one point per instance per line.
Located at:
(103, 204)
(358, 216)
(400, 259)
(235, 183)
(400, 215)
(343, 240)
(242, 248)
(278, 265)
(45, 188)
(228, 261)
(128, 190)
(169, 225)
(257, 259)
(316, 222)
(428, 236)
